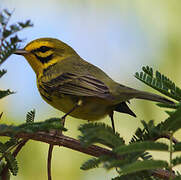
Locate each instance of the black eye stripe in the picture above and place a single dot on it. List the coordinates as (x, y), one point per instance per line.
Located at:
(42, 49)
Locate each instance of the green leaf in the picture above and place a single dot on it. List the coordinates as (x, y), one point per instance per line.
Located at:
(30, 116)
(177, 178)
(143, 165)
(12, 163)
(177, 147)
(7, 12)
(140, 146)
(95, 162)
(104, 135)
(8, 37)
(7, 48)
(116, 163)
(148, 133)
(159, 82)
(11, 142)
(90, 164)
(4, 93)
(26, 24)
(4, 17)
(10, 159)
(172, 106)
(176, 161)
(14, 28)
(2, 72)
(52, 123)
(173, 123)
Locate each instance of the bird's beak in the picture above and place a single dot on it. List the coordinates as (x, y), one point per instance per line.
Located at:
(21, 52)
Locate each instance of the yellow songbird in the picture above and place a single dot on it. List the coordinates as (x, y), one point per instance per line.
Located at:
(76, 87)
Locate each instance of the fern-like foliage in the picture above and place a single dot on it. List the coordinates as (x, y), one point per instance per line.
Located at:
(173, 122)
(30, 116)
(100, 133)
(4, 93)
(5, 150)
(91, 163)
(159, 82)
(8, 41)
(8, 44)
(2, 72)
(135, 162)
(9, 38)
(129, 163)
(47, 125)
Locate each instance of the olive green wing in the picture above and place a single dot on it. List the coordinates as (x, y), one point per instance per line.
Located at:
(77, 85)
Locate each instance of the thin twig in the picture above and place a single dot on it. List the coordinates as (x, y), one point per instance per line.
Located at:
(169, 136)
(19, 147)
(171, 153)
(1, 114)
(49, 161)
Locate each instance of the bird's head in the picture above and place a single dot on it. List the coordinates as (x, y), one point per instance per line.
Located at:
(44, 52)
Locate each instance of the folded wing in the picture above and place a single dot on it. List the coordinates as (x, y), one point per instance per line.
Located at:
(78, 85)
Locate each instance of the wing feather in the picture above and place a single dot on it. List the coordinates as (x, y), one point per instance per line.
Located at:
(78, 85)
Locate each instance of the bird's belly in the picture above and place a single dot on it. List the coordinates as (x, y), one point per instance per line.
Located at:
(91, 108)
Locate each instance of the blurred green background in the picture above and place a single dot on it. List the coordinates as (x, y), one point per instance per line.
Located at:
(119, 36)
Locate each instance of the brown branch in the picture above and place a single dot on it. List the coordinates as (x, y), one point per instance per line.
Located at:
(68, 142)
(61, 140)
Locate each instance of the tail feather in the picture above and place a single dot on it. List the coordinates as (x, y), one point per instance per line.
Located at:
(133, 93)
(152, 97)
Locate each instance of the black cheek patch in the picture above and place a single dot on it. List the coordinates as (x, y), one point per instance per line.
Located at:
(44, 59)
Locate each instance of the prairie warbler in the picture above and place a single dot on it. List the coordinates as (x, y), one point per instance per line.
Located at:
(76, 87)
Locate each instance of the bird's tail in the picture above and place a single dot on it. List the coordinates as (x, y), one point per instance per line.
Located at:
(152, 97)
(128, 93)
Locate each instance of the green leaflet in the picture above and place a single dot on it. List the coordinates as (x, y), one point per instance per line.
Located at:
(140, 146)
(143, 165)
(104, 135)
(159, 82)
(30, 116)
(173, 123)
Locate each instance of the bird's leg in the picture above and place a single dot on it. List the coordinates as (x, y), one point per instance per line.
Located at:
(112, 120)
(78, 104)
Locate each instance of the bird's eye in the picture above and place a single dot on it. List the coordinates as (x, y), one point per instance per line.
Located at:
(44, 49)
